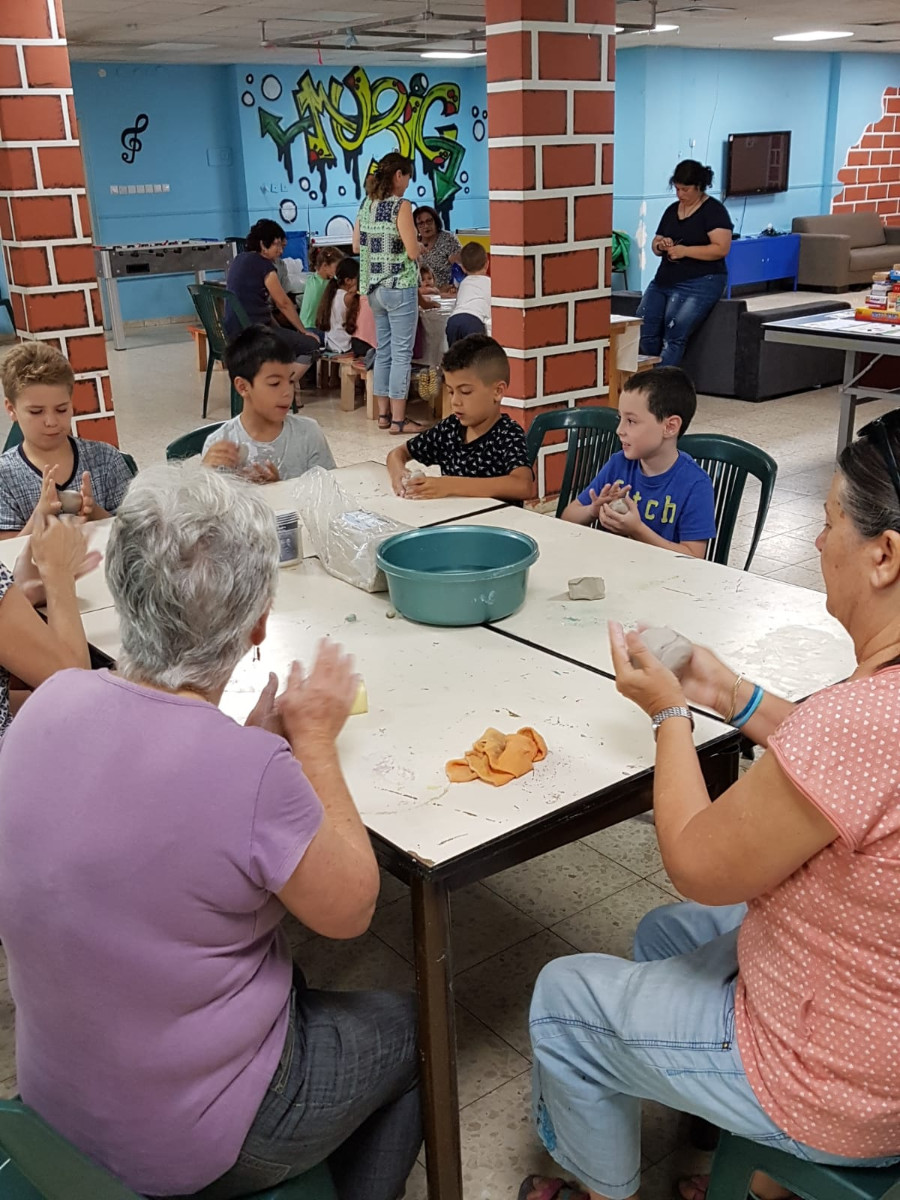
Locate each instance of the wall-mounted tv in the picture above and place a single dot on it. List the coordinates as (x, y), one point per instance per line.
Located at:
(757, 163)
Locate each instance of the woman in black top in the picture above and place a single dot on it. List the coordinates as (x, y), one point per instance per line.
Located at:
(693, 238)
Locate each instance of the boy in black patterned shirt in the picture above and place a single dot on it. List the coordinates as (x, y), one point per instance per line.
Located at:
(480, 451)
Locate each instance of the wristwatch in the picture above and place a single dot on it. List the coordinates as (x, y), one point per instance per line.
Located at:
(665, 713)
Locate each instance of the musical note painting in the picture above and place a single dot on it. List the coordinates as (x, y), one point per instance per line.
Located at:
(131, 137)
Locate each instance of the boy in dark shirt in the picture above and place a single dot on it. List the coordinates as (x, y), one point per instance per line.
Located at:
(480, 451)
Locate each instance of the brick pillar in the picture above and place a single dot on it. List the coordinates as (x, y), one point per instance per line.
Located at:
(44, 222)
(550, 72)
(871, 174)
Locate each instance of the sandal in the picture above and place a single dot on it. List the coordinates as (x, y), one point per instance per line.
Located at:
(384, 420)
(552, 1189)
(399, 427)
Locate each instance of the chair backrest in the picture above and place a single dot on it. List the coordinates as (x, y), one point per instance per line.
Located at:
(191, 443)
(41, 1163)
(592, 441)
(728, 461)
(211, 301)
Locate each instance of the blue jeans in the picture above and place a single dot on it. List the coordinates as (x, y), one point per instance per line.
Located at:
(346, 1090)
(671, 314)
(608, 1033)
(396, 312)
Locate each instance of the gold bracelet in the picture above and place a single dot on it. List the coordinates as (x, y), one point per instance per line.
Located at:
(734, 691)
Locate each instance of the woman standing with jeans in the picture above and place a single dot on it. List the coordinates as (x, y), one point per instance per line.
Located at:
(693, 239)
(385, 237)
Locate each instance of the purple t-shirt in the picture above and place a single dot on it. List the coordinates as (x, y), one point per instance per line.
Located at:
(141, 838)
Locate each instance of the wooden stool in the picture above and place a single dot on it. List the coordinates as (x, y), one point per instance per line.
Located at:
(329, 373)
(350, 373)
(198, 333)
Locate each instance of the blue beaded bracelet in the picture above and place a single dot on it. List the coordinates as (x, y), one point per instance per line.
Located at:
(750, 708)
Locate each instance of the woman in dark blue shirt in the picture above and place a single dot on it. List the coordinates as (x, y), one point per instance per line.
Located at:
(693, 238)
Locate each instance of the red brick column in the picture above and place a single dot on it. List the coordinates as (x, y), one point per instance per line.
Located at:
(44, 222)
(871, 174)
(550, 72)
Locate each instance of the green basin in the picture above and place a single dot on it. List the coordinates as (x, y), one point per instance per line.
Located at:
(457, 574)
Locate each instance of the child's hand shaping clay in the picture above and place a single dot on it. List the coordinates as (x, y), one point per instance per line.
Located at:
(609, 494)
(615, 521)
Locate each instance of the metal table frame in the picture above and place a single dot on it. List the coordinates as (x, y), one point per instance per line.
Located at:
(853, 392)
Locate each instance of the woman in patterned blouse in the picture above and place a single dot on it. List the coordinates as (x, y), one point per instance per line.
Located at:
(440, 249)
(385, 238)
(769, 1003)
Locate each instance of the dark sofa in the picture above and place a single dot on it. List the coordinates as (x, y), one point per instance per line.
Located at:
(729, 356)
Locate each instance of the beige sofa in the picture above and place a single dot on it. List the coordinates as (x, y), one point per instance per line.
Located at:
(841, 251)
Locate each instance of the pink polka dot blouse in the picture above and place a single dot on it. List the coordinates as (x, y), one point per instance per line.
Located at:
(818, 994)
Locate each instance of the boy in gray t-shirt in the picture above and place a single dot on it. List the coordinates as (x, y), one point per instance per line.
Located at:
(267, 441)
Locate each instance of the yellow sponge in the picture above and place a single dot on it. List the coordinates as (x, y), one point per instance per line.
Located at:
(361, 703)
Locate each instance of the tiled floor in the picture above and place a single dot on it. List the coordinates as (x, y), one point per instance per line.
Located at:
(587, 897)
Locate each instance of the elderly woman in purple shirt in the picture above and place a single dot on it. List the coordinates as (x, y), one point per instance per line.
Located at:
(146, 865)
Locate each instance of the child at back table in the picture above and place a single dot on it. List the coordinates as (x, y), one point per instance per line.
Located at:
(266, 442)
(38, 383)
(326, 262)
(669, 498)
(472, 309)
(481, 451)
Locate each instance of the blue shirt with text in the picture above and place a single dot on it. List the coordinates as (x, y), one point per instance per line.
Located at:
(678, 505)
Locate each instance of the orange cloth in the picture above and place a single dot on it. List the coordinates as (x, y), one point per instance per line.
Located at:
(498, 757)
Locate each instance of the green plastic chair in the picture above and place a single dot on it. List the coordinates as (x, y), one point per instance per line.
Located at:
(737, 1158)
(728, 461)
(37, 1163)
(592, 441)
(211, 301)
(188, 445)
(14, 438)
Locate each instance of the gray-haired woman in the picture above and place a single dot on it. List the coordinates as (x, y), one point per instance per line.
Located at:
(148, 861)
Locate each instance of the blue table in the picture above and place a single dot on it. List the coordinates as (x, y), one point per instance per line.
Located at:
(763, 259)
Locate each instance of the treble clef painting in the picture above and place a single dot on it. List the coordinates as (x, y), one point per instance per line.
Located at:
(131, 137)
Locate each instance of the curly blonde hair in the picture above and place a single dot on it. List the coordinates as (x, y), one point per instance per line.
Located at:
(32, 363)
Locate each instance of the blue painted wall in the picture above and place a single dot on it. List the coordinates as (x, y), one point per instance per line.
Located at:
(192, 143)
(309, 136)
(677, 103)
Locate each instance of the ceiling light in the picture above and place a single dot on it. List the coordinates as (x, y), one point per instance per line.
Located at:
(664, 29)
(453, 54)
(619, 29)
(815, 35)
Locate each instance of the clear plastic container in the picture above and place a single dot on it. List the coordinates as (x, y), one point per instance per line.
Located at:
(290, 541)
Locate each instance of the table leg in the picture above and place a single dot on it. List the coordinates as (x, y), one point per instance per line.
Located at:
(848, 403)
(437, 1038)
(115, 314)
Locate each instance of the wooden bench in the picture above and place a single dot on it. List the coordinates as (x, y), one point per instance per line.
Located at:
(198, 333)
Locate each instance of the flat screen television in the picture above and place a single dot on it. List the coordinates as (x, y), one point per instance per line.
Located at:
(757, 163)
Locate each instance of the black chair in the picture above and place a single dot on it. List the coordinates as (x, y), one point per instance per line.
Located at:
(592, 441)
(191, 444)
(728, 461)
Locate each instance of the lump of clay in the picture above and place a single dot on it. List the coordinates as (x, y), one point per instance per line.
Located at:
(619, 506)
(587, 587)
(672, 649)
(70, 501)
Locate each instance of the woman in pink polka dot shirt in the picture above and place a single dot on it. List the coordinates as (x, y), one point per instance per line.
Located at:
(769, 1003)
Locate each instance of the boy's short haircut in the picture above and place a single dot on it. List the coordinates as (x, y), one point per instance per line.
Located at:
(473, 257)
(669, 393)
(249, 349)
(32, 363)
(480, 354)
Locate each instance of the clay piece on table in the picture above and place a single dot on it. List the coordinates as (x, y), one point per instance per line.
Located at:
(672, 649)
(587, 587)
(619, 506)
(71, 502)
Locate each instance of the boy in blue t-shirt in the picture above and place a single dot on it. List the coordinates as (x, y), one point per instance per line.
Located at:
(668, 496)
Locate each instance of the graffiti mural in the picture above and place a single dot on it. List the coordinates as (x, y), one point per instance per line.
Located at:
(340, 117)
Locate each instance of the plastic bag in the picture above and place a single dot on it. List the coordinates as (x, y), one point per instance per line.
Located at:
(344, 536)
